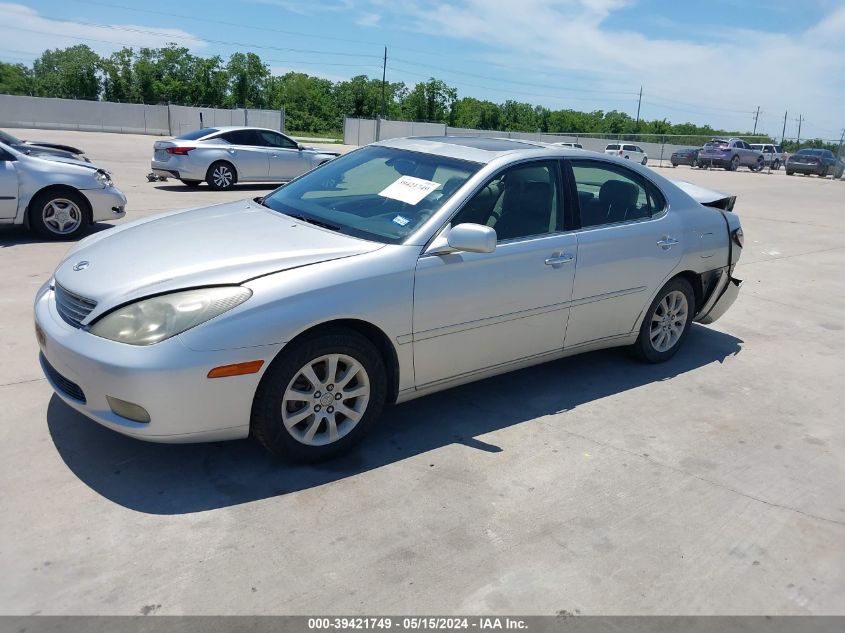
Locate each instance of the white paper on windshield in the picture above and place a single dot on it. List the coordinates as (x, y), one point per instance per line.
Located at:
(409, 189)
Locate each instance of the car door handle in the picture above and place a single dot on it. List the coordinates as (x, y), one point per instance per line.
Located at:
(666, 242)
(557, 260)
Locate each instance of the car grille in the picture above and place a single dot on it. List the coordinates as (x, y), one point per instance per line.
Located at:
(67, 387)
(73, 308)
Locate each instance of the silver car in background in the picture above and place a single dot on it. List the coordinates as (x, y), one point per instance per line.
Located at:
(223, 156)
(57, 197)
(397, 270)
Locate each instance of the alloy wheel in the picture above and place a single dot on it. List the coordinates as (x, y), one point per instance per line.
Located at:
(668, 321)
(61, 216)
(326, 399)
(222, 176)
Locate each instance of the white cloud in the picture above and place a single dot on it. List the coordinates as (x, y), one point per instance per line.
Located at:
(734, 70)
(368, 19)
(24, 31)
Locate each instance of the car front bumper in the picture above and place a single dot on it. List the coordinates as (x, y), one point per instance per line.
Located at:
(108, 203)
(167, 379)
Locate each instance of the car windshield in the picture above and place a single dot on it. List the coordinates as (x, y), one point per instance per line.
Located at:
(8, 139)
(193, 136)
(377, 193)
(810, 152)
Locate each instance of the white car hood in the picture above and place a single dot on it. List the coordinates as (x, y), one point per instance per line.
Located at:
(224, 244)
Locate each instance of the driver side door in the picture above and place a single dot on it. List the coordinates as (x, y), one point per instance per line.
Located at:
(8, 186)
(287, 161)
(477, 311)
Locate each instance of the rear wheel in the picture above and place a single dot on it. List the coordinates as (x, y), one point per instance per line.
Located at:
(776, 165)
(666, 322)
(221, 176)
(59, 215)
(320, 396)
(732, 166)
(823, 172)
(644, 160)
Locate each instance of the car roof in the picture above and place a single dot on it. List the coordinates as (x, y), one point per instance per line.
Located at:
(478, 149)
(231, 128)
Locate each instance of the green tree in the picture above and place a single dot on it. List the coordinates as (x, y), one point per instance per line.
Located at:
(308, 102)
(15, 79)
(70, 73)
(248, 77)
(429, 101)
(118, 76)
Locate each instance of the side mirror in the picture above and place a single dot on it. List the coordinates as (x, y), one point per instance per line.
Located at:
(300, 146)
(471, 238)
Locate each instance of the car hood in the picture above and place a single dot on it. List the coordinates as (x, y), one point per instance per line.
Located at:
(224, 244)
(55, 158)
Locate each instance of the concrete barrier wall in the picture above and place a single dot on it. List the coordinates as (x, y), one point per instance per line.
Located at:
(103, 116)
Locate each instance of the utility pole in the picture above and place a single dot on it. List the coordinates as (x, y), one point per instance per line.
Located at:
(841, 138)
(756, 116)
(639, 103)
(383, 77)
(783, 134)
(798, 140)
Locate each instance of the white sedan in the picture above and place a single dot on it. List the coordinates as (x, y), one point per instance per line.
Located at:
(57, 197)
(397, 270)
(224, 156)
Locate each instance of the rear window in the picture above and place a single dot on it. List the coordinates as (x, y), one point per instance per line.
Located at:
(717, 144)
(612, 146)
(193, 136)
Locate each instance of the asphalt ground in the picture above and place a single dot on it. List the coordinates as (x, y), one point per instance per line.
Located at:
(711, 484)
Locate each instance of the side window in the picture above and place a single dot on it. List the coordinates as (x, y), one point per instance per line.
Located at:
(519, 202)
(608, 194)
(241, 137)
(274, 139)
(630, 148)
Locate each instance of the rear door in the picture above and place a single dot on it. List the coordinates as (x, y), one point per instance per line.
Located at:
(8, 186)
(251, 160)
(628, 245)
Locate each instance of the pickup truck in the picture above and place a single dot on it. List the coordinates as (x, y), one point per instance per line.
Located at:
(772, 154)
(730, 154)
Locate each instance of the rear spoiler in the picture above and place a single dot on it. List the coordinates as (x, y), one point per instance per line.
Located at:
(707, 197)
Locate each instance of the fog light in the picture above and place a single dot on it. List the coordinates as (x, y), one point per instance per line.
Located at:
(128, 410)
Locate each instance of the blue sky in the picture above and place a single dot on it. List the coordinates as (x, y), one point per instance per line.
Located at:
(707, 62)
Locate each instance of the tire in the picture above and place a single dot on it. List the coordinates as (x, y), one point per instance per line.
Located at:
(757, 167)
(651, 345)
(192, 183)
(627, 158)
(789, 172)
(644, 161)
(732, 166)
(674, 165)
(776, 165)
(221, 176)
(286, 376)
(60, 214)
(823, 172)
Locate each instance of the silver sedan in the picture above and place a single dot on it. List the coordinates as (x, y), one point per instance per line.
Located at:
(223, 156)
(57, 197)
(400, 269)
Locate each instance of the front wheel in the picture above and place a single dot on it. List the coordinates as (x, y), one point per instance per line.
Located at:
(59, 215)
(320, 396)
(666, 322)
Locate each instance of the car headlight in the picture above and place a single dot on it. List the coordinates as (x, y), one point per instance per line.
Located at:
(155, 319)
(103, 178)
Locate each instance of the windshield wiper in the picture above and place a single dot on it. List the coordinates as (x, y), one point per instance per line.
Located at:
(325, 225)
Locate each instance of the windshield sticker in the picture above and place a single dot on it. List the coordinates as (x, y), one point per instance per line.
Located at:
(409, 189)
(401, 220)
